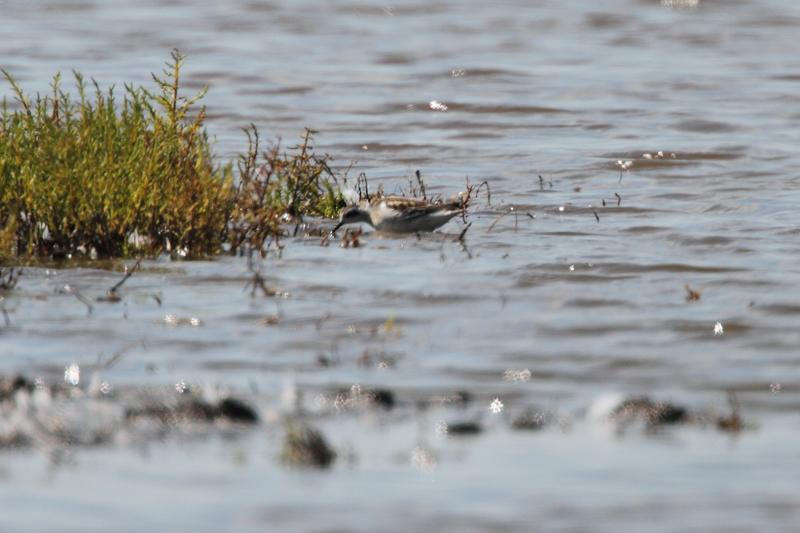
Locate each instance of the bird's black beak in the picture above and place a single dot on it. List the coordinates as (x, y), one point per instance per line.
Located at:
(339, 225)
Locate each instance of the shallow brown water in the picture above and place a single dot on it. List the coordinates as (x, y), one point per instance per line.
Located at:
(589, 308)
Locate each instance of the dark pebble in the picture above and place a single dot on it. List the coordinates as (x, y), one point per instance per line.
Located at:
(464, 428)
(382, 398)
(10, 385)
(304, 446)
(237, 411)
(654, 413)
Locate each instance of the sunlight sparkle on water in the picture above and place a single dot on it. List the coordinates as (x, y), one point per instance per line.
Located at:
(496, 407)
(680, 4)
(72, 374)
(523, 375)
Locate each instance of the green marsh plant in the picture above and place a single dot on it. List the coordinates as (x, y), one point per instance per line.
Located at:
(116, 174)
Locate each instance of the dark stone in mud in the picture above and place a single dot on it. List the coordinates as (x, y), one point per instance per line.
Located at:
(237, 411)
(60, 419)
(196, 410)
(653, 413)
(15, 440)
(325, 361)
(460, 397)
(382, 398)
(669, 414)
(304, 446)
(464, 428)
(10, 385)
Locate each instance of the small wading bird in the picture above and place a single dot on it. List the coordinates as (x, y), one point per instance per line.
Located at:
(398, 214)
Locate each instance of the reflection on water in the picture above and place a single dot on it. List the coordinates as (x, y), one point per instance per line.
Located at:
(588, 294)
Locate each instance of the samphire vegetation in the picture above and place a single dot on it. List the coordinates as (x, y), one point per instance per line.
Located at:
(114, 175)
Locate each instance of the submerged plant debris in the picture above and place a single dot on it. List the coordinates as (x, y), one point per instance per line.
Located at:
(652, 413)
(9, 276)
(34, 413)
(305, 446)
(85, 411)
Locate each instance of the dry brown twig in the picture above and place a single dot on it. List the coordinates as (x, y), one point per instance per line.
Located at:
(496, 220)
(463, 242)
(691, 294)
(111, 295)
(421, 185)
(68, 289)
(733, 422)
(9, 278)
(258, 282)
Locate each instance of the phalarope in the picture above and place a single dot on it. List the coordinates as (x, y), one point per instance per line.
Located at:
(398, 214)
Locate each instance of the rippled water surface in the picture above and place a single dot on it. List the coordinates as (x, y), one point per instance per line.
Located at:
(579, 291)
